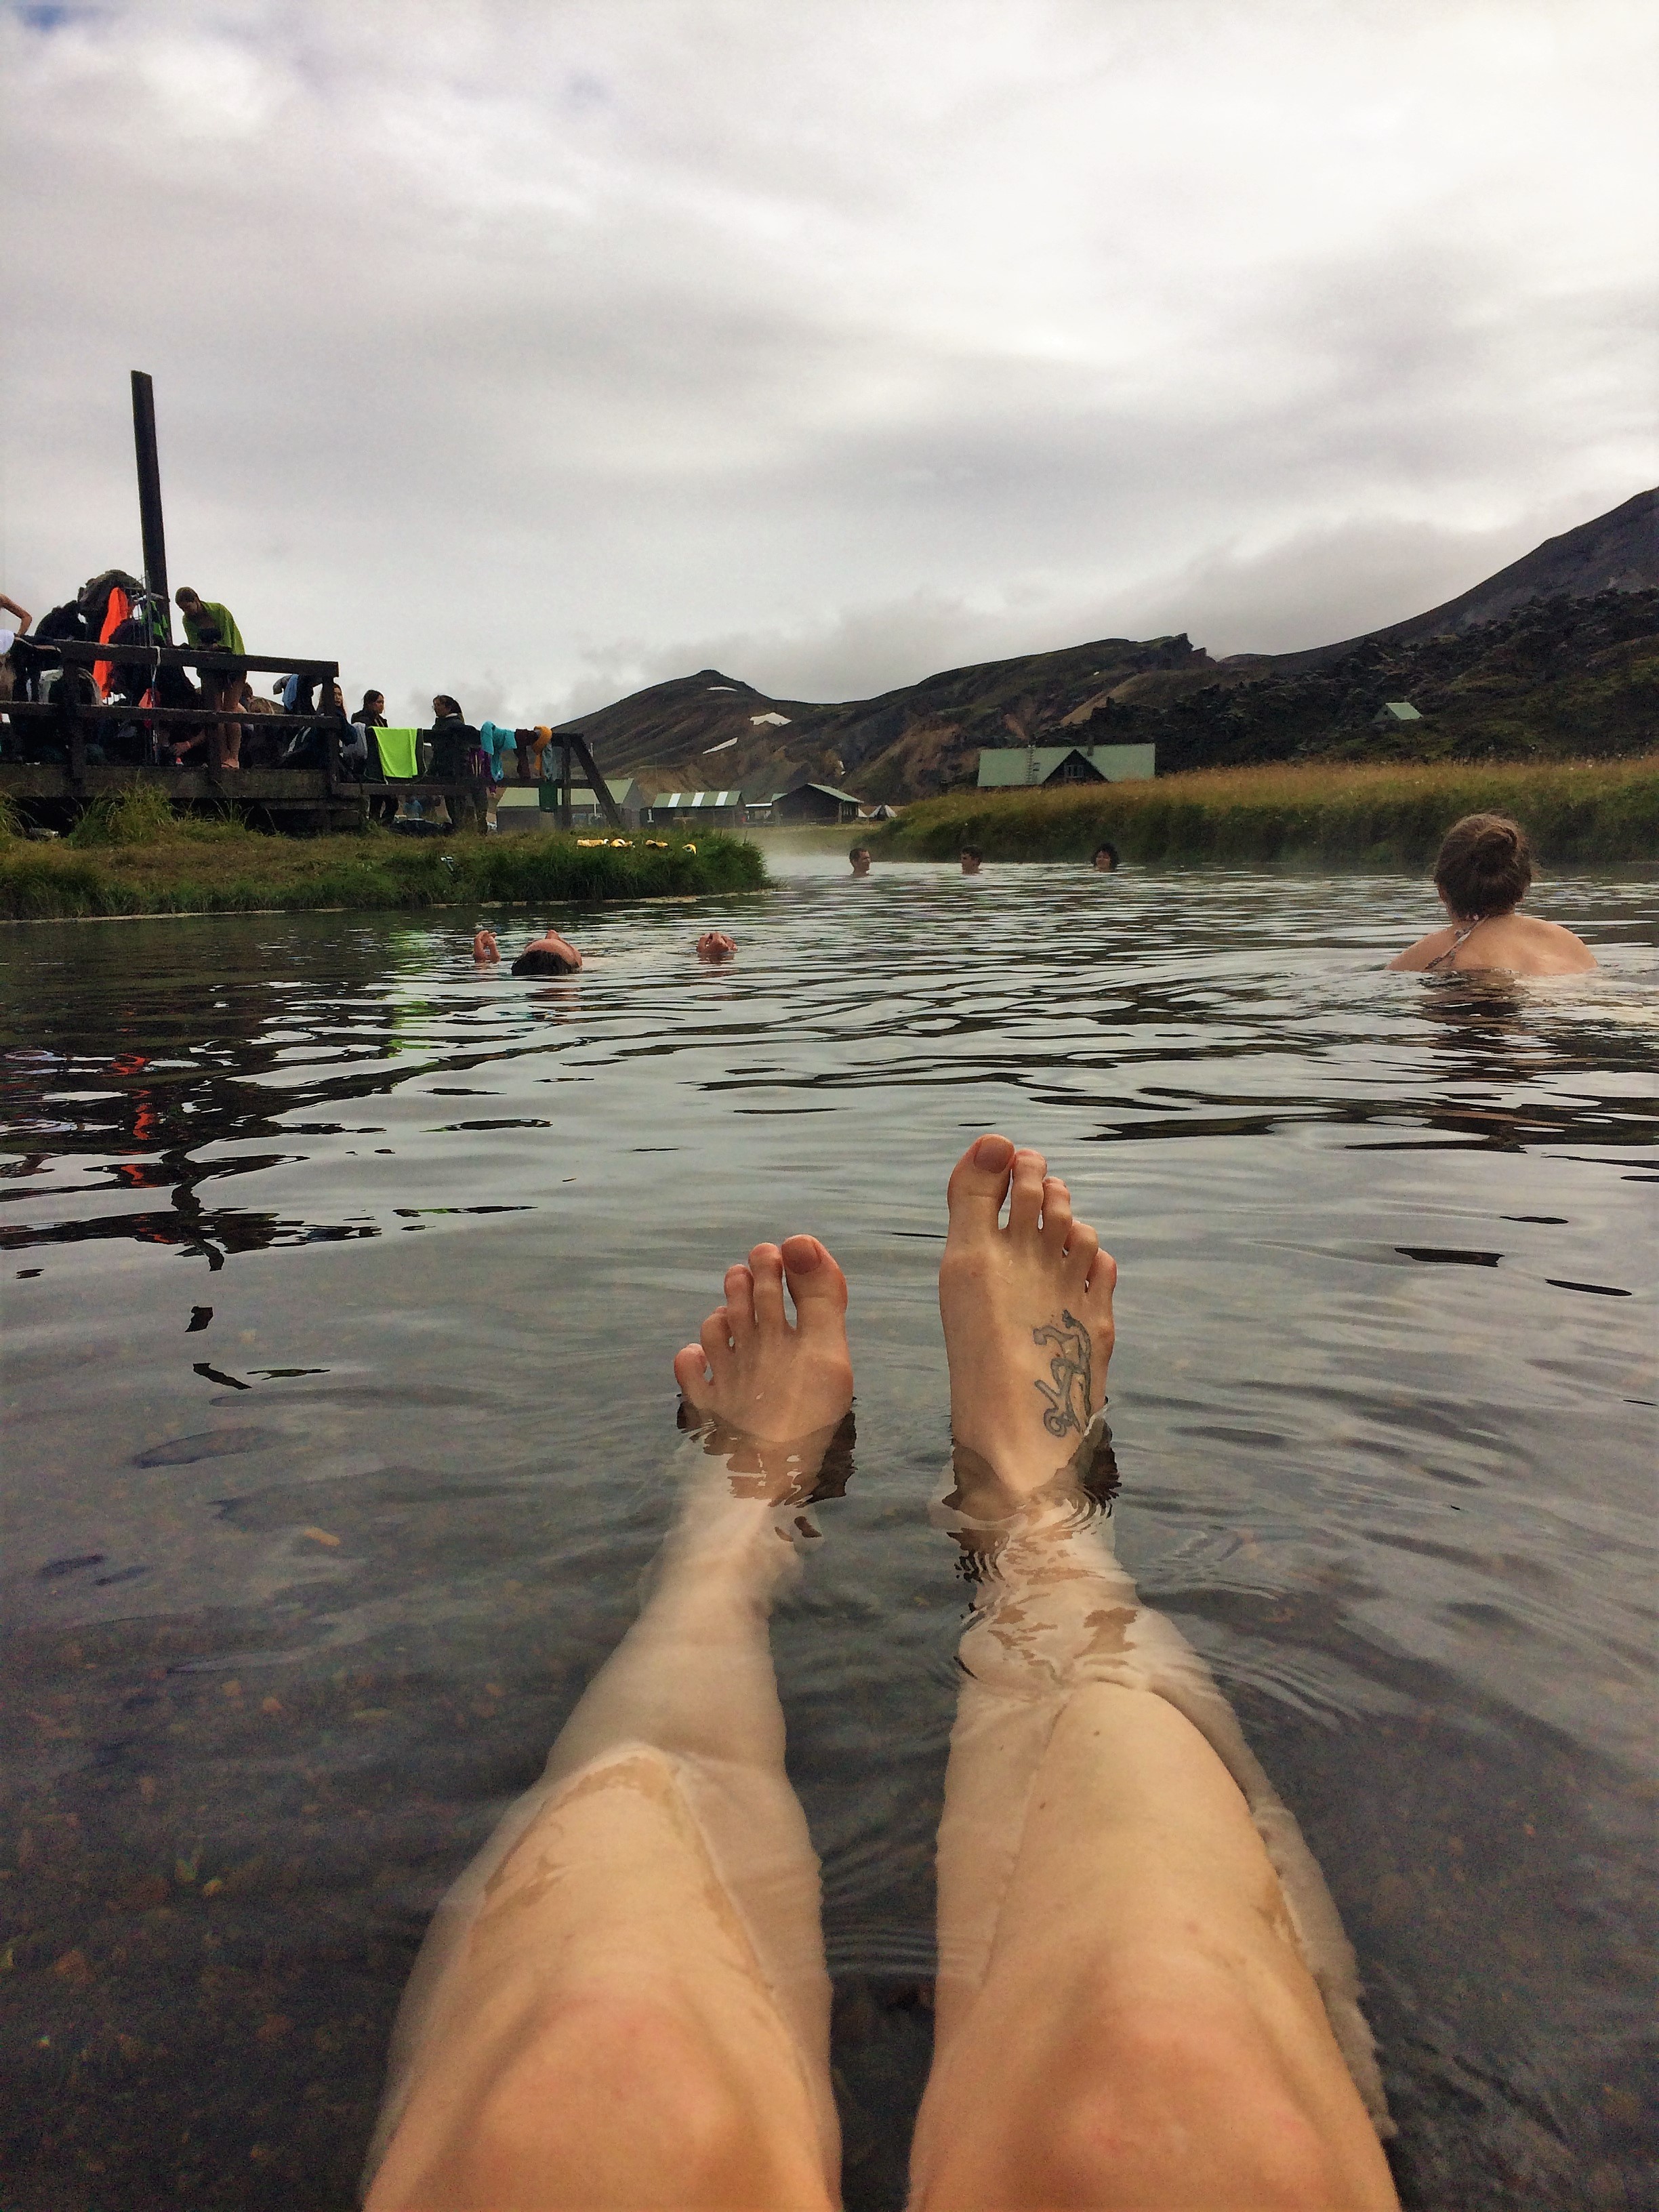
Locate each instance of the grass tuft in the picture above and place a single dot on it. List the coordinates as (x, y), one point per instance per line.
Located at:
(224, 868)
(1604, 810)
(138, 816)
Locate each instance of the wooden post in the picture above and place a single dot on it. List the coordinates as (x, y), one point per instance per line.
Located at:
(150, 501)
(578, 745)
(564, 785)
(75, 742)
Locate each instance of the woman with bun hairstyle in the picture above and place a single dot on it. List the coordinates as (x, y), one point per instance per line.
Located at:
(1482, 874)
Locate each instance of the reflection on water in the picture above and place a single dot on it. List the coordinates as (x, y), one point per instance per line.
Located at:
(341, 1285)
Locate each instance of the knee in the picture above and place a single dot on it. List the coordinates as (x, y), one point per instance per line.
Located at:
(1170, 2108)
(615, 2081)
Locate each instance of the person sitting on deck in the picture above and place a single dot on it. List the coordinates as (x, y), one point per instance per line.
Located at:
(212, 629)
(1483, 872)
(549, 954)
(308, 747)
(1105, 858)
(971, 858)
(457, 755)
(859, 857)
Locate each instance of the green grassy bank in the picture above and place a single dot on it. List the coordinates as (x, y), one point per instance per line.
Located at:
(1573, 811)
(219, 867)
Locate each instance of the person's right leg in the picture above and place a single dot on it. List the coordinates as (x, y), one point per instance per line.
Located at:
(623, 2003)
(1127, 2016)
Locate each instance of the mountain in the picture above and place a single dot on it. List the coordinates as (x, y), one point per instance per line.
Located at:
(1557, 654)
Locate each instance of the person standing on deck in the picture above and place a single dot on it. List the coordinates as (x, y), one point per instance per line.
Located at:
(495, 743)
(211, 628)
(10, 631)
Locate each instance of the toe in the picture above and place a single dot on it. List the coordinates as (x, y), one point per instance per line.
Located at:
(1102, 1281)
(766, 1264)
(1082, 1247)
(816, 1284)
(716, 1337)
(691, 1373)
(740, 1297)
(978, 1185)
(1056, 1213)
(1025, 1198)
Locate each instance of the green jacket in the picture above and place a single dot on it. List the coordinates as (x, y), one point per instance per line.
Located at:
(230, 638)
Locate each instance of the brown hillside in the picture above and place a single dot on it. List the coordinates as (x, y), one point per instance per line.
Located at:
(1556, 653)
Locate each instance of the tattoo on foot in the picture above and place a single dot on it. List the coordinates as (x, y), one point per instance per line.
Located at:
(1072, 1370)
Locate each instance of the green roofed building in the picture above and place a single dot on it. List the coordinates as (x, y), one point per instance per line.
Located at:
(1008, 768)
(1396, 714)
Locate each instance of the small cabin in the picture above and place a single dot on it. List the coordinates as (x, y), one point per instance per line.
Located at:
(1010, 768)
(1396, 714)
(816, 802)
(701, 810)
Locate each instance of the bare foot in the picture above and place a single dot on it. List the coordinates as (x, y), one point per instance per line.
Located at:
(755, 1374)
(1028, 1319)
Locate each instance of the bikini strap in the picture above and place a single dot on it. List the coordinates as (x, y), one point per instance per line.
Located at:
(1462, 936)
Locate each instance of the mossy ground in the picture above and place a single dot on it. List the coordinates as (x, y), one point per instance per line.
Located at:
(1586, 811)
(120, 866)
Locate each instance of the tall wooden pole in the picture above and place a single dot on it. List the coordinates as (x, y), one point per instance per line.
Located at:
(150, 503)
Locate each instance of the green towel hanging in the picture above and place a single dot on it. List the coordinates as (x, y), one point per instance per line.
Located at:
(399, 753)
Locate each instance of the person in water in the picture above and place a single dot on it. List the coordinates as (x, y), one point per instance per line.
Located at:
(859, 857)
(1145, 1998)
(1483, 872)
(1105, 858)
(715, 945)
(549, 954)
(971, 858)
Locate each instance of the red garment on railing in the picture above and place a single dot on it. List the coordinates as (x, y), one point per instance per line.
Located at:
(120, 606)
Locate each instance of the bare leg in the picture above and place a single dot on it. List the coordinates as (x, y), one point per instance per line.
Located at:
(227, 745)
(623, 2003)
(1142, 1979)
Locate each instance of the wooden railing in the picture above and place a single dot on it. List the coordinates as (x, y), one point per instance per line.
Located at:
(77, 718)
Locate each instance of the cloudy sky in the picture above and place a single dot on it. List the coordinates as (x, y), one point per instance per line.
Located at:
(534, 349)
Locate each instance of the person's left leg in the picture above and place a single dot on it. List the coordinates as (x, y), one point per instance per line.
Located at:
(623, 2002)
(227, 692)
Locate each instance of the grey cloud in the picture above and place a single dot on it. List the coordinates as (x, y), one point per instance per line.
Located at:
(574, 347)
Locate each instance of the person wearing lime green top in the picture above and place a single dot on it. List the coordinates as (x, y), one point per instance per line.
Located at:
(212, 629)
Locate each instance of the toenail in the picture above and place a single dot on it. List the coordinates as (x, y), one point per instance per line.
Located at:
(812, 1256)
(993, 1153)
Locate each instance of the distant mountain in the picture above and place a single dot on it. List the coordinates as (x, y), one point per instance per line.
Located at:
(1617, 552)
(1557, 654)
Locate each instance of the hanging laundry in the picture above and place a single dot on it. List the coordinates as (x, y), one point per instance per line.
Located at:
(399, 755)
(120, 606)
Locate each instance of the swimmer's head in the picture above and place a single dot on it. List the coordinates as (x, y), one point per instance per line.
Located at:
(859, 857)
(971, 856)
(1105, 857)
(539, 960)
(1484, 866)
(716, 945)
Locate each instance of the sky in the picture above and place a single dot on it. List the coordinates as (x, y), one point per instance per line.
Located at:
(533, 350)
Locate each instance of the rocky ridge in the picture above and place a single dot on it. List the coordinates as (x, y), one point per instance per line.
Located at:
(1556, 655)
